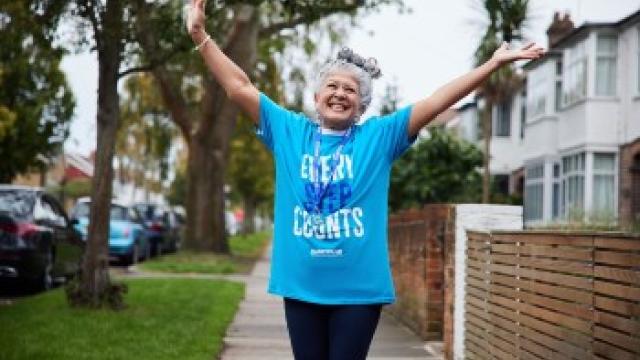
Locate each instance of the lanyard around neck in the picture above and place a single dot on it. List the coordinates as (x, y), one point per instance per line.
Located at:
(319, 188)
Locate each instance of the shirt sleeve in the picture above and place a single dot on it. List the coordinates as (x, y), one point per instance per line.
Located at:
(275, 122)
(392, 130)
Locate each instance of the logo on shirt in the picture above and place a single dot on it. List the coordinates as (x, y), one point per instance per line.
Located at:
(336, 220)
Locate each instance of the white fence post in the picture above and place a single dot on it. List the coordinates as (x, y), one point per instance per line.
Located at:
(478, 217)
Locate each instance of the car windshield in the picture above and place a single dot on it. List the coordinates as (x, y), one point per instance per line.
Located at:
(149, 211)
(117, 212)
(81, 210)
(18, 203)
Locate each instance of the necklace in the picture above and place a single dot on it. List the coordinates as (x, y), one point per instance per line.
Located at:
(320, 189)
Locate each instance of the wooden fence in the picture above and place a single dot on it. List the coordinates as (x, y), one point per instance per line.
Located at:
(543, 295)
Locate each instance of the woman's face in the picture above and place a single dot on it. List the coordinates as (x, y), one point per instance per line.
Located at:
(338, 100)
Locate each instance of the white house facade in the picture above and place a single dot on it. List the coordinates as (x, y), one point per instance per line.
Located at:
(573, 131)
(582, 108)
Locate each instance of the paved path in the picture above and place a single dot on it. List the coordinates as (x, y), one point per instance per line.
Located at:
(259, 330)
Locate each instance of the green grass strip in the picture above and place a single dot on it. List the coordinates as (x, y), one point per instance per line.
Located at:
(245, 249)
(165, 319)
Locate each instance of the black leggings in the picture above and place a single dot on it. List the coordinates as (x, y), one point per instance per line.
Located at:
(330, 332)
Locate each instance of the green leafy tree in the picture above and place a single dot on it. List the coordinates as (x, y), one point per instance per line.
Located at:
(441, 168)
(178, 188)
(104, 26)
(107, 27)
(36, 103)
(506, 19)
(145, 135)
(240, 28)
(250, 171)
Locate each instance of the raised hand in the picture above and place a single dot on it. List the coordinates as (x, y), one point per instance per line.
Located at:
(195, 19)
(505, 55)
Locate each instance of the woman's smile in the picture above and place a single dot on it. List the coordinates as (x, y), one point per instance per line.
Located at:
(338, 101)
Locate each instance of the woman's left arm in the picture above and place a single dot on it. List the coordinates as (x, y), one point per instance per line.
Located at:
(427, 109)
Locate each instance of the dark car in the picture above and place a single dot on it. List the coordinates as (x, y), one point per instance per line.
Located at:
(176, 222)
(158, 227)
(38, 242)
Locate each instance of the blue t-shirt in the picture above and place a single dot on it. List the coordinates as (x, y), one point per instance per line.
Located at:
(344, 258)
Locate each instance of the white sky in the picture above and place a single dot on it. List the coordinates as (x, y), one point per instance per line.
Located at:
(419, 51)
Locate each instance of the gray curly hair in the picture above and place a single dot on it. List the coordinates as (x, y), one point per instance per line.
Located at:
(363, 70)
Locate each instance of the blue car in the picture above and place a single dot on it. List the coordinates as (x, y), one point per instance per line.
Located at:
(127, 239)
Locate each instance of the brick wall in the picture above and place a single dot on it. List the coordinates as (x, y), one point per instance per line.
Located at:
(627, 154)
(418, 242)
(427, 253)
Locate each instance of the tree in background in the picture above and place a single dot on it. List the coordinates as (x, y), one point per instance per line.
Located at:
(506, 20)
(178, 189)
(36, 103)
(240, 29)
(250, 171)
(105, 27)
(145, 135)
(441, 168)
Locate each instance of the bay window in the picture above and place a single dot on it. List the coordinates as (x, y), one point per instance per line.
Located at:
(606, 64)
(534, 192)
(537, 93)
(604, 167)
(573, 184)
(575, 77)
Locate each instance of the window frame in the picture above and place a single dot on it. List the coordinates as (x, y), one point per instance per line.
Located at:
(613, 172)
(576, 66)
(569, 173)
(608, 56)
(537, 94)
(536, 180)
(557, 90)
(503, 117)
(557, 208)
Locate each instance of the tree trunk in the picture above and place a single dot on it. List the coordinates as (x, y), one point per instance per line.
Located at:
(486, 159)
(205, 229)
(249, 224)
(208, 140)
(95, 289)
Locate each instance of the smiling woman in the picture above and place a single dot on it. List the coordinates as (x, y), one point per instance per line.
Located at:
(330, 260)
(343, 89)
(338, 101)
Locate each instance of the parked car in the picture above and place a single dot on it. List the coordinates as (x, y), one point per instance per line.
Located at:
(38, 242)
(175, 220)
(232, 224)
(158, 228)
(127, 237)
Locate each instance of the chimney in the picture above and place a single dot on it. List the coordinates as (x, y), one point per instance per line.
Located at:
(559, 28)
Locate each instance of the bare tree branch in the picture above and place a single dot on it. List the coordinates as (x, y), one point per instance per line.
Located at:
(152, 64)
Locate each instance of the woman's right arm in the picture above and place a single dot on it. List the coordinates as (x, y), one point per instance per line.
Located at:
(230, 76)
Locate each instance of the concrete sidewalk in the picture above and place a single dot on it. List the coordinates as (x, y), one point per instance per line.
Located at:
(259, 330)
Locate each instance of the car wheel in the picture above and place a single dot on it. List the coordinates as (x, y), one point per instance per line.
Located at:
(157, 249)
(147, 251)
(46, 279)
